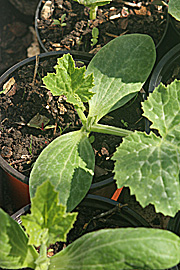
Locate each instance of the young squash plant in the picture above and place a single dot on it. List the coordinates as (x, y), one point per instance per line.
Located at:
(124, 248)
(65, 168)
(114, 75)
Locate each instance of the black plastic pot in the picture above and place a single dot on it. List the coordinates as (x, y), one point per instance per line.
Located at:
(168, 39)
(126, 216)
(17, 183)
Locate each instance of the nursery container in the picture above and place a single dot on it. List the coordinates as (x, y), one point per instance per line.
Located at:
(17, 182)
(126, 216)
(162, 45)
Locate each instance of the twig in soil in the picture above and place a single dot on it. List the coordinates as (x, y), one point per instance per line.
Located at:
(55, 128)
(111, 211)
(111, 35)
(36, 68)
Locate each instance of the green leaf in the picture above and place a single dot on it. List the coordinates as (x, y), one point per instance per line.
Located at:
(148, 164)
(114, 249)
(15, 251)
(68, 162)
(174, 9)
(48, 221)
(120, 68)
(70, 81)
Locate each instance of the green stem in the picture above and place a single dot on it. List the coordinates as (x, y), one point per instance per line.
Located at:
(92, 14)
(110, 130)
(42, 262)
(81, 116)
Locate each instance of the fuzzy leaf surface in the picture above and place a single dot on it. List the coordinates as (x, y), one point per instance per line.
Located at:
(68, 163)
(15, 251)
(48, 221)
(120, 68)
(174, 9)
(153, 173)
(129, 248)
(70, 81)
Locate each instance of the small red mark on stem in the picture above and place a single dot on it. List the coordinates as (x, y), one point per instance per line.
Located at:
(42, 126)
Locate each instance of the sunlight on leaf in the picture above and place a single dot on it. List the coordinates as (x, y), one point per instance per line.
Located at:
(148, 164)
(124, 248)
(70, 81)
(48, 221)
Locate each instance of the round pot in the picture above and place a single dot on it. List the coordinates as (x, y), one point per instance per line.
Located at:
(121, 28)
(15, 181)
(126, 216)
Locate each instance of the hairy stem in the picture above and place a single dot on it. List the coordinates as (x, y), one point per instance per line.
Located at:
(110, 130)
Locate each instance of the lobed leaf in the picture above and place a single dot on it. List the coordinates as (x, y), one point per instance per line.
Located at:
(125, 248)
(15, 251)
(48, 221)
(120, 69)
(153, 173)
(70, 81)
(174, 9)
(68, 163)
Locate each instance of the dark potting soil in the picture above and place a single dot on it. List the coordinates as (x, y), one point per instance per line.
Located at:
(112, 20)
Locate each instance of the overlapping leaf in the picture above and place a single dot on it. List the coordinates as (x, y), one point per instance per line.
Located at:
(150, 164)
(48, 221)
(129, 248)
(70, 81)
(15, 251)
(68, 162)
(120, 68)
(174, 8)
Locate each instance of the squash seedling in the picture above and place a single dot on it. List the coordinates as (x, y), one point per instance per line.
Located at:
(123, 248)
(95, 35)
(113, 77)
(60, 22)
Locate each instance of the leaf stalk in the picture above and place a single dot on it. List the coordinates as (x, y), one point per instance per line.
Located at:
(110, 130)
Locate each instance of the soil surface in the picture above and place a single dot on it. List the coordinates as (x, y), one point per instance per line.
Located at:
(74, 31)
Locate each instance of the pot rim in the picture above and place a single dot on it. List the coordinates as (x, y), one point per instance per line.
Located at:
(102, 203)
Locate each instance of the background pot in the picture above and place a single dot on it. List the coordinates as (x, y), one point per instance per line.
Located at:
(126, 216)
(162, 45)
